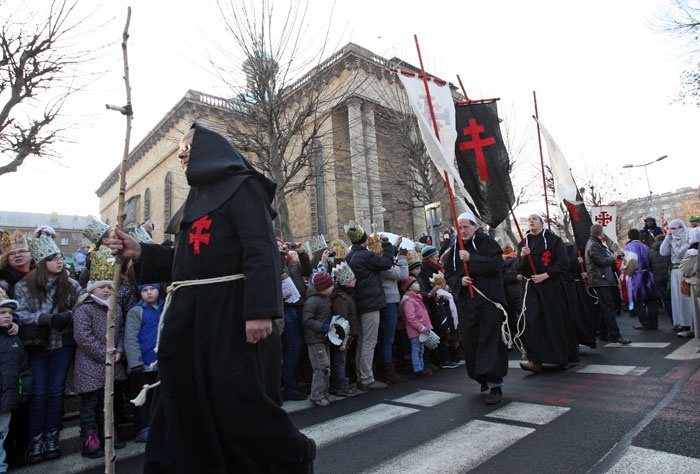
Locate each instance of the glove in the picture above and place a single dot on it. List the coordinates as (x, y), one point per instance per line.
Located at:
(425, 331)
(138, 369)
(62, 320)
(326, 328)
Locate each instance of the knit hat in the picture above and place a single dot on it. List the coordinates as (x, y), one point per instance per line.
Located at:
(101, 268)
(467, 216)
(322, 281)
(413, 265)
(146, 285)
(43, 248)
(428, 251)
(355, 232)
(694, 219)
(408, 282)
(6, 301)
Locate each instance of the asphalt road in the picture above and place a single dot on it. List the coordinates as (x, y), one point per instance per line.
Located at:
(623, 409)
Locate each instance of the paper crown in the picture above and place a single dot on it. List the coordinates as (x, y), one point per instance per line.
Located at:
(6, 301)
(354, 231)
(413, 257)
(95, 230)
(340, 248)
(374, 244)
(343, 273)
(438, 279)
(140, 235)
(43, 248)
(15, 241)
(101, 268)
(315, 244)
(44, 230)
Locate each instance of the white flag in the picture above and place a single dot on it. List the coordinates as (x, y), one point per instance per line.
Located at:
(564, 185)
(442, 151)
(607, 217)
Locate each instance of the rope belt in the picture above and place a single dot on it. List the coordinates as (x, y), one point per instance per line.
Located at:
(505, 329)
(174, 286)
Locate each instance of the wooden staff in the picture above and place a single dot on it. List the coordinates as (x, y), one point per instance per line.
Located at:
(111, 349)
(447, 178)
(539, 142)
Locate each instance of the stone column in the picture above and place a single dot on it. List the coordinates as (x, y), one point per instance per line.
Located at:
(360, 190)
(372, 157)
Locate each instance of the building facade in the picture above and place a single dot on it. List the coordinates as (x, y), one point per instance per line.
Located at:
(357, 170)
(68, 229)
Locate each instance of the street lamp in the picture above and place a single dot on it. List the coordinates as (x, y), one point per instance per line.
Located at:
(644, 165)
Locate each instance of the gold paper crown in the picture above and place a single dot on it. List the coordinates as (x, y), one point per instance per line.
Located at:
(343, 273)
(101, 265)
(373, 243)
(43, 248)
(140, 235)
(315, 244)
(354, 231)
(438, 279)
(95, 230)
(340, 248)
(6, 300)
(15, 241)
(412, 256)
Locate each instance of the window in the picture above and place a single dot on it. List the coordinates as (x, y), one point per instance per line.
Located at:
(167, 200)
(64, 241)
(147, 204)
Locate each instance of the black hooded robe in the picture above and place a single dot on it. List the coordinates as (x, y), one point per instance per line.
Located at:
(583, 310)
(485, 354)
(217, 410)
(549, 328)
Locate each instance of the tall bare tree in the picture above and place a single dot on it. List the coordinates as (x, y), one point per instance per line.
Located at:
(36, 77)
(281, 116)
(682, 20)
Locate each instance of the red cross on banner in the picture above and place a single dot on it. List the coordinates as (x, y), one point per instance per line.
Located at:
(197, 237)
(546, 258)
(477, 144)
(603, 218)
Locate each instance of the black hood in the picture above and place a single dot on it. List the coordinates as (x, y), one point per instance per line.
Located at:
(215, 171)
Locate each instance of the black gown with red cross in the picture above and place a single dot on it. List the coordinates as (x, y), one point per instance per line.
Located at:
(550, 336)
(217, 409)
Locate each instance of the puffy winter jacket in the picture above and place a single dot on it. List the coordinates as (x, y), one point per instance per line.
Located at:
(367, 267)
(15, 374)
(599, 264)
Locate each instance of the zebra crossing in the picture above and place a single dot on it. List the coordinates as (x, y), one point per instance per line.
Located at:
(486, 435)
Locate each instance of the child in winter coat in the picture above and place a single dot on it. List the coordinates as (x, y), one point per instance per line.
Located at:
(343, 304)
(15, 374)
(90, 330)
(140, 336)
(417, 320)
(317, 318)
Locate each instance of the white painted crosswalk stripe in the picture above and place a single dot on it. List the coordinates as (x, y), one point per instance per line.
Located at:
(612, 369)
(447, 454)
(337, 429)
(529, 413)
(426, 398)
(637, 460)
(688, 351)
(641, 345)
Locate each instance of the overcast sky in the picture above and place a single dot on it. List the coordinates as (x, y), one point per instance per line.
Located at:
(605, 83)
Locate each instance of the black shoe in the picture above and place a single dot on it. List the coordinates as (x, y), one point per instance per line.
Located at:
(35, 451)
(495, 396)
(52, 449)
(484, 387)
(297, 395)
(621, 340)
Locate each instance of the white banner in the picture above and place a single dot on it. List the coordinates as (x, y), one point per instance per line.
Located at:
(442, 151)
(564, 185)
(607, 217)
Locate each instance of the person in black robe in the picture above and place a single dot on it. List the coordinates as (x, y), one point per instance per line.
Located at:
(218, 410)
(549, 330)
(480, 320)
(580, 302)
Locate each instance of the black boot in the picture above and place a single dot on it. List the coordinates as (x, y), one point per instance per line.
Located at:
(52, 450)
(35, 451)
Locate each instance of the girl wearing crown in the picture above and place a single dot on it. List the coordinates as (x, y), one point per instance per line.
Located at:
(46, 297)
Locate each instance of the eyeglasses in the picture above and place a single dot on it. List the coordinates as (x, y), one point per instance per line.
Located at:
(14, 253)
(55, 257)
(186, 149)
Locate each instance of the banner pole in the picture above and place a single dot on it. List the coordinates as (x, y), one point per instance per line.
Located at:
(522, 239)
(539, 142)
(447, 178)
